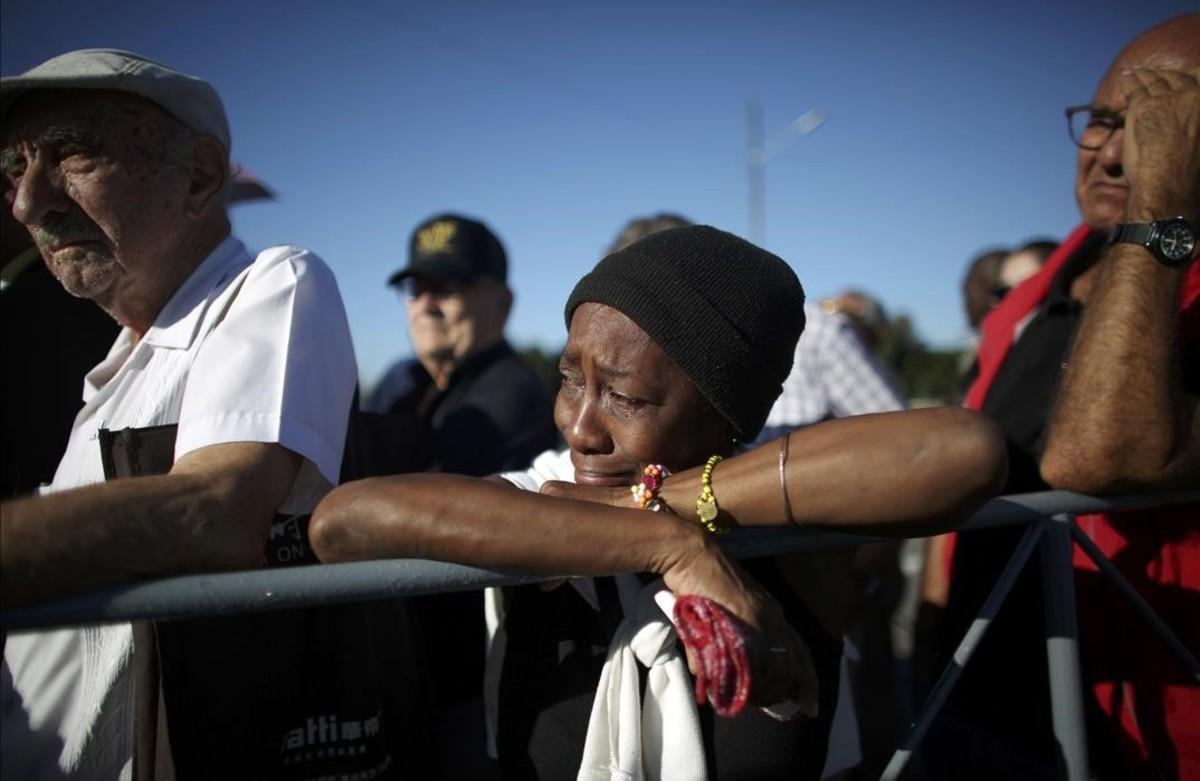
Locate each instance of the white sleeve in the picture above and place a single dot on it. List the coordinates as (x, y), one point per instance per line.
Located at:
(550, 465)
(278, 368)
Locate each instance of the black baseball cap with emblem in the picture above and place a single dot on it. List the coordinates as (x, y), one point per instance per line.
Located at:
(450, 246)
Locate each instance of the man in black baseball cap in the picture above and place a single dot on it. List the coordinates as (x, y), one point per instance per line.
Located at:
(458, 301)
(478, 408)
(481, 405)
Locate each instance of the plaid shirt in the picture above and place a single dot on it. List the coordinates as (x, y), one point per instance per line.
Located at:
(834, 376)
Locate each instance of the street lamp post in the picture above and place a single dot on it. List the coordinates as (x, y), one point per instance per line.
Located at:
(758, 152)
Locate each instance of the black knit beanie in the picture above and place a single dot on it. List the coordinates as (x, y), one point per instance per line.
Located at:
(727, 313)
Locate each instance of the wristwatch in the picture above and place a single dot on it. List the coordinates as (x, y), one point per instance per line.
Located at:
(1172, 242)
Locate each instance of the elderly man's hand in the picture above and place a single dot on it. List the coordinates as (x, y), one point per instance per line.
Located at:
(1161, 152)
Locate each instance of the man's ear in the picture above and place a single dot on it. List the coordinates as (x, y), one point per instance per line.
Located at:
(504, 302)
(208, 173)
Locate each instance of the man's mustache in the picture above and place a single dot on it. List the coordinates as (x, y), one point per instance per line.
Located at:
(65, 230)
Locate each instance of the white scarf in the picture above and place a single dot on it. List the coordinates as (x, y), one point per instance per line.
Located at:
(658, 738)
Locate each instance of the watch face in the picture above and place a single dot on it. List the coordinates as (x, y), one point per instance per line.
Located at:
(1177, 242)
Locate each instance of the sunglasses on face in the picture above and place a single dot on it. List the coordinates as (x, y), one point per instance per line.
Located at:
(415, 287)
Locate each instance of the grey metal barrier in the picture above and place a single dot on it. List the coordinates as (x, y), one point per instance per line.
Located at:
(1052, 530)
(1049, 516)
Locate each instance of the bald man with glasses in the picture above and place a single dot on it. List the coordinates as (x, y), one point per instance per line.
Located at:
(1092, 369)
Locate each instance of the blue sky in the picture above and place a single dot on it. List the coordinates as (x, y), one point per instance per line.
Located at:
(555, 122)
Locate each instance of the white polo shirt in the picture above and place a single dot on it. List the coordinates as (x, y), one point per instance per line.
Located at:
(247, 350)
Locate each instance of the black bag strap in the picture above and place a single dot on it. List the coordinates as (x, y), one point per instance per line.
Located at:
(137, 452)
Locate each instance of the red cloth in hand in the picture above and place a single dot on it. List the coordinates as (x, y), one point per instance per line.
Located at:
(717, 639)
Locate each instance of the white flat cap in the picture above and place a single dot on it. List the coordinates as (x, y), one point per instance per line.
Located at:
(189, 99)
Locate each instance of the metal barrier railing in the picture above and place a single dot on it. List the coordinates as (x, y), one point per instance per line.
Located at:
(1049, 514)
(1052, 531)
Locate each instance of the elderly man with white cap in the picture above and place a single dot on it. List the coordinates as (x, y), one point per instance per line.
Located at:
(118, 165)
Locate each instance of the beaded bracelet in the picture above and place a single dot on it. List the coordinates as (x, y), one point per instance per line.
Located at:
(706, 504)
(645, 491)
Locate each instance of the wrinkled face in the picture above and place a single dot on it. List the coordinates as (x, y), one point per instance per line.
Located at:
(449, 321)
(1101, 188)
(624, 404)
(100, 181)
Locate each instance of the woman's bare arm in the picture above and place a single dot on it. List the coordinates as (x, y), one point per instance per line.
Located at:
(492, 524)
(916, 470)
(912, 472)
(903, 472)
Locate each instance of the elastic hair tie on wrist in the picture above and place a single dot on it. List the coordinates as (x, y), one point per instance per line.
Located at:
(783, 454)
(645, 491)
(707, 509)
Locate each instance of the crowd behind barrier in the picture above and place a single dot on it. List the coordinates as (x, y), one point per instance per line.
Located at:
(1060, 419)
(1048, 516)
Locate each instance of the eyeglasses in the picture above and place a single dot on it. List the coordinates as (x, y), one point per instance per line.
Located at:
(1092, 127)
(413, 287)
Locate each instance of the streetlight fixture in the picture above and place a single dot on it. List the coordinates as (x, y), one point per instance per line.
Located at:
(758, 152)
